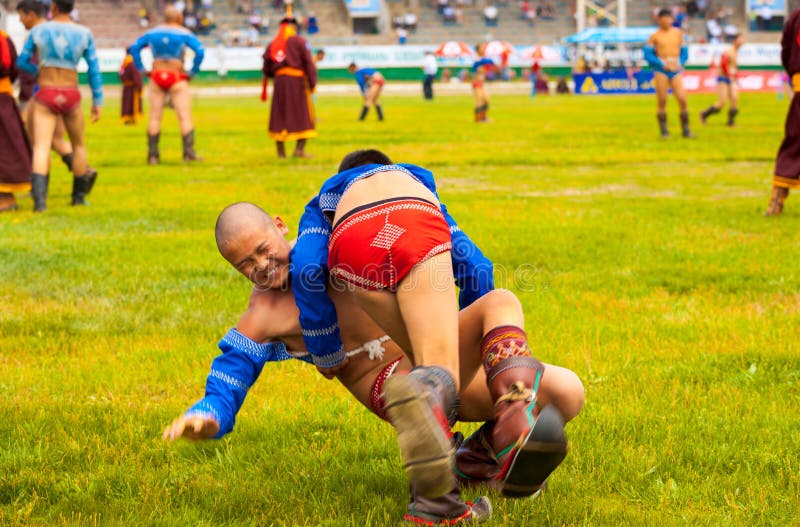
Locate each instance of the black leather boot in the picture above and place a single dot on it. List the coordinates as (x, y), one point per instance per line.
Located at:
(153, 157)
(81, 185)
(39, 183)
(188, 148)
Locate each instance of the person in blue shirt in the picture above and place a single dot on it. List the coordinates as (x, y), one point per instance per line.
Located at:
(379, 230)
(60, 44)
(370, 82)
(666, 54)
(168, 43)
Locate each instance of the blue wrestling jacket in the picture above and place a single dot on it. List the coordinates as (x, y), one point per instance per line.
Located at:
(233, 374)
(169, 43)
(481, 62)
(473, 272)
(655, 61)
(62, 45)
(361, 77)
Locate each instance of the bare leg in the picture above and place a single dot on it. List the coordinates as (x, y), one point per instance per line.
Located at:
(662, 85)
(182, 102)
(60, 145)
(157, 97)
(43, 126)
(722, 96)
(74, 124)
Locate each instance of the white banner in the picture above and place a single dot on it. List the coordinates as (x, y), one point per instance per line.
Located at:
(749, 54)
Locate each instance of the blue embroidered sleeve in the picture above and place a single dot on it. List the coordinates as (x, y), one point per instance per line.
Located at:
(199, 52)
(95, 76)
(136, 51)
(473, 272)
(231, 376)
(26, 56)
(309, 275)
(684, 54)
(651, 57)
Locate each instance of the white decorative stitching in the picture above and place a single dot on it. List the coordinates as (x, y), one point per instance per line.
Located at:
(454, 229)
(233, 381)
(322, 231)
(320, 332)
(382, 209)
(267, 351)
(355, 279)
(442, 247)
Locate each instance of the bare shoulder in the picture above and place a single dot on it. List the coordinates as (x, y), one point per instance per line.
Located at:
(270, 315)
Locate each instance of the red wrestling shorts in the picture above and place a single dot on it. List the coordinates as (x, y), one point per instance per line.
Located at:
(166, 79)
(376, 245)
(377, 79)
(376, 402)
(60, 101)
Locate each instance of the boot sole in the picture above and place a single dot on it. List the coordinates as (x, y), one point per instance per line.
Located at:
(542, 451)
(426, 451)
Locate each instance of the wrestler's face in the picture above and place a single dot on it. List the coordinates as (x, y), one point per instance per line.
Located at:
(665, 22)
(28, 19)
(261, 254)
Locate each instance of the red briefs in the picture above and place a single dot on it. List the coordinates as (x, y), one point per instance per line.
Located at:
(59, 100)
(376, 245)
(165, 79)
(376, 401)
(377, 79)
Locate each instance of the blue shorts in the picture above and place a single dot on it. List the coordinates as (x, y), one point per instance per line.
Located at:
(726, 80)
(670, 74)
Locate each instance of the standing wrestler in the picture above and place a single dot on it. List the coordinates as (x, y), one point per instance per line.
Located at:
(270, 327)
(370, 82)
(288, 60)
(168, 43)
(787, 163)
(31, 14)
(479, 68)
(131, 90)
(666, 54)
(60, 45)
(727, 91)
(15, 150)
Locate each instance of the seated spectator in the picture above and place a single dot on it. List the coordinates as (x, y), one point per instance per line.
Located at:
(311, 24)
(252, 36)
(530, 16)
(190, 22)
(523, 10)
(458, 14)
(446, 75)
(410, 22)
(75, 15)
(490, 14)
(546, 10)
(398, 21)
(402, 35)
(764, 18)
(144, 17)
(561, 86)
(713, 31)
(449, 16)
(207, 4)
(254, 20)
(679, 17)
(440, 5)
(180, 5)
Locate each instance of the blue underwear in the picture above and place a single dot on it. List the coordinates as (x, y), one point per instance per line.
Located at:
(726, 80)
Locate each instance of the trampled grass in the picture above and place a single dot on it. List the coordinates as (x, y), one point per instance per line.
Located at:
(644, 265)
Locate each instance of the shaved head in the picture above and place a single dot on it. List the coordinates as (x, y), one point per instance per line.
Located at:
(172, 15)
(236, 219)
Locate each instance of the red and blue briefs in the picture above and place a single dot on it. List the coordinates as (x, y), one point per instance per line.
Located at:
(376, 245)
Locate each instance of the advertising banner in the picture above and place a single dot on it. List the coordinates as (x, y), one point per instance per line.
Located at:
(621, 82)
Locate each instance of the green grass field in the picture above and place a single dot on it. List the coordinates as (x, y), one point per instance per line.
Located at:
(644, 265)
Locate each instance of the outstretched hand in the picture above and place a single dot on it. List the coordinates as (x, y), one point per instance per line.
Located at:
(194, 427)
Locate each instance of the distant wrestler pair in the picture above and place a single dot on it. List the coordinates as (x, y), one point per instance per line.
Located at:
(380, 233)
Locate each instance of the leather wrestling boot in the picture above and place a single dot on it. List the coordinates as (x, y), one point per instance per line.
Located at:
(527, 444)
(188, 148)
(732, 112)
(708, 112)
(685, 130)
(422, 406)
(153, 156)
(39, 184)
(662, 124)
(80, 187)
(779, 195)
(8, 202)
(448, 509)
(475, 461)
